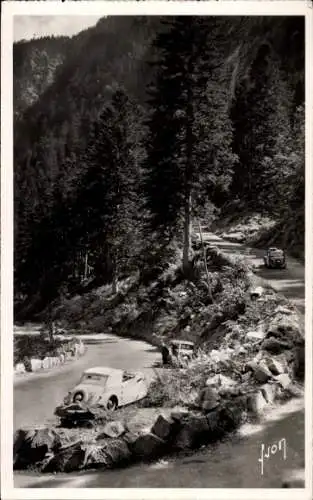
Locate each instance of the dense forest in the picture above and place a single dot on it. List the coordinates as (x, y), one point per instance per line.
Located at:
(130, 131)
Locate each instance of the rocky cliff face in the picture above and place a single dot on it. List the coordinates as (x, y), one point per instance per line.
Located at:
(34, 69)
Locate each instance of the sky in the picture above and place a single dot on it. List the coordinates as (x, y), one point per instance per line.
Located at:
(27, 27)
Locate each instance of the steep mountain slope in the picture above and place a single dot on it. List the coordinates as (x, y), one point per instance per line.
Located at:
(99, 59)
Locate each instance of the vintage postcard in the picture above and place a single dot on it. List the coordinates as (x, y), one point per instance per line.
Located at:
(156, 275)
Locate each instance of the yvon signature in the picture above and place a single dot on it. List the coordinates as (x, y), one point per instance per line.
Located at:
(268, 451)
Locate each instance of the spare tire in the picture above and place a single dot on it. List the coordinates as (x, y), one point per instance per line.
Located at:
(79, 397)
(112, 403)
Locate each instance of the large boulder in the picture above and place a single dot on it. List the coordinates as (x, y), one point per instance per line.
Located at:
(179, 415)
(219, 356)
(285, 327)
(246, 377)
(256, 402)
(255, 335)
(235, 237)
(68, 459)
(130, 438)
(230, 392)
(144, 419)
(219, 380)
(213, 420)
(299, 363)
(21, 444)
(27, 363)
(47, 363)
(208, 398)
(225, 419)
(275, 346)
(36, 364)
(260, 371)
(164, 427)
(283, 310)
(148, 446)
(232, 415)
(62, 358)
(109, 453)
(19, 368)
(284, 380)
(32, 446)
(193, 432)
(275, 366)
(68, 355)
(269, 392)
(113, 429)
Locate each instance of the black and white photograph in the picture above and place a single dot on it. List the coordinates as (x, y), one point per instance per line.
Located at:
(158, 228)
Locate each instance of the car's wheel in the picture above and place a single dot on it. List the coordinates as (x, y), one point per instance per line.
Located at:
(112, 403)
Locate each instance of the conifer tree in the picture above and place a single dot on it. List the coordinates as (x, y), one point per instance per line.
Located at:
(108, 192)
(188, 150)
(261, 131)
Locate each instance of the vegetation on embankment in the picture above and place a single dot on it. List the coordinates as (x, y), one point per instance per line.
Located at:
(163, 302)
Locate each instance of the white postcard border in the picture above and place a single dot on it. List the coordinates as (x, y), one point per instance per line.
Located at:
(9, 9)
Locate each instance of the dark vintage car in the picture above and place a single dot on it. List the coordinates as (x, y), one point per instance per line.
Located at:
(275, 258)
(179, 351)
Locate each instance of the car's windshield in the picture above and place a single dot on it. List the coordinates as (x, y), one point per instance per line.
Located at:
(276, 252)
(186, 347)
(94, 379)
(182, 345)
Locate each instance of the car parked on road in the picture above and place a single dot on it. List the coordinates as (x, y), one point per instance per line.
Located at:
(109, 387)
(275, 258)
(180, 350)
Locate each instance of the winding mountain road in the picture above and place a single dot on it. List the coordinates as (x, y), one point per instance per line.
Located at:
(229, 465)
(289, 282)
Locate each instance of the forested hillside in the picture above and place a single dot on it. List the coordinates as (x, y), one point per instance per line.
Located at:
(128, 132)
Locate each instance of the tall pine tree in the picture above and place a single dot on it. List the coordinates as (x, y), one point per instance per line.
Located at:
(261, 118)
(108, 197)
(188, 151)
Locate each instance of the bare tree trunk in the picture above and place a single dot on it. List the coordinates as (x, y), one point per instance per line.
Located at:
(86, 265)
(249, 182)
(49, 323)
(205, 264)
(187, 231)
(188, 172)
(114, 275)
(236, 58)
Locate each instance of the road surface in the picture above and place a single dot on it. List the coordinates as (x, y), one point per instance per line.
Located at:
(229, 465)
